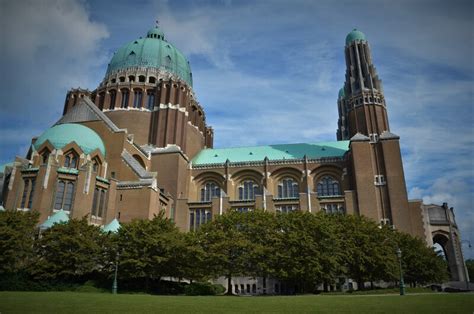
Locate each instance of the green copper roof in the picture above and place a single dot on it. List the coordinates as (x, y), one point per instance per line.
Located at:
(2, 167)
(272, 152)
(354, 35)
(57, 217)
(112, 226)
(62, 134)
(341, 93)
(152, 52)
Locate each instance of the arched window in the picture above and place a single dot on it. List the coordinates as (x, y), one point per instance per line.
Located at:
(210, 190)
(248, 189)
(98, 203)
(113, 97)
(70, 161)
(328, 186)
(125, 95)
(151, 100)
(137, 100)
(139, 160)
(64, 195)
(28, 193)
(288, 188)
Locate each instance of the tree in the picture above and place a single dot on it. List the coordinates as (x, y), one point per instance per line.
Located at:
(148, 249)
(226, 246)
(369, 251)
(308, 250)
(260, 229)
(68, 251)
(470, 269)
(17, 234)
(421, 264)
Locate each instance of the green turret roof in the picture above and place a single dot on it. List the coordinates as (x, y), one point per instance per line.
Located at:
(354, 35)
(272, 152)
(341, 93)
(58, 217)
(62, 134)
(112, 226)
(152, 52)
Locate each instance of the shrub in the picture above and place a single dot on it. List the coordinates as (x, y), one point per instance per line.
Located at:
(203, 288)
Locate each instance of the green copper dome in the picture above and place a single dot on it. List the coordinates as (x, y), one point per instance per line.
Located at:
(152, 52)
(354, 35)
(63, 134)
(341, 93)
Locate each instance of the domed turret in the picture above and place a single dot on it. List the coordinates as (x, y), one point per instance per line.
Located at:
(341, 93)
(354, 35)
(151, 52)
(63, 134)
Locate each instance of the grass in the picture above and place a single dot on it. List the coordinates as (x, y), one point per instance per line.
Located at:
(383, 291)
(73, 302)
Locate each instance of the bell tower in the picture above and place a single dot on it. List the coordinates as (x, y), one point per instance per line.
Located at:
(375, 151)
(361, 102)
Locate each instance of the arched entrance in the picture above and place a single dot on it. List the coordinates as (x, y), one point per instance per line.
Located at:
(444, 232)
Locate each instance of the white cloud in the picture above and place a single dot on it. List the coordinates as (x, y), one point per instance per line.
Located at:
(48, 47)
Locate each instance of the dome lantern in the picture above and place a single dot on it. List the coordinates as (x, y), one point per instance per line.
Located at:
(355, 35)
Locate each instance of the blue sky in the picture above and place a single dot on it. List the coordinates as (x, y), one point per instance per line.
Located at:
(267, 71)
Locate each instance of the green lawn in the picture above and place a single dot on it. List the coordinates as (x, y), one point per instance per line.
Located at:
(73, 302)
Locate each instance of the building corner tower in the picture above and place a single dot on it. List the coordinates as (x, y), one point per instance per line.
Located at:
(375, 151)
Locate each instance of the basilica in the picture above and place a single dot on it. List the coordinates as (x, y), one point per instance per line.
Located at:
(140, 143)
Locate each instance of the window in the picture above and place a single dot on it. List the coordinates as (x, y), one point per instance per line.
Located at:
(95, 166)
(45, 156)
(328, 186)
(210, 190)
(243, 209)
(125, 94)
(374, 137)
(70, 161)
(286, 208)
(198, 217)
(28, 193)
(98, 203)
(151, 100)
(137, 100)
(64, 195)
(247, 190)
(113, 97)
(333, 208)
(32, 192)
(288, 188)
(101, 101)
(379, 179)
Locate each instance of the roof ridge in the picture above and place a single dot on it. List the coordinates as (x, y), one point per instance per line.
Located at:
(93, 114)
